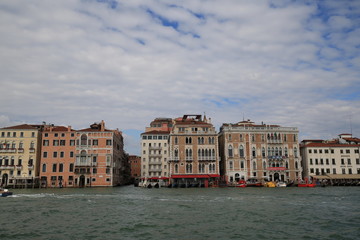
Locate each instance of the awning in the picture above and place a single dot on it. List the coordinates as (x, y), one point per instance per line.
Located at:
(214, 175)
(338, 176)
(190, 176)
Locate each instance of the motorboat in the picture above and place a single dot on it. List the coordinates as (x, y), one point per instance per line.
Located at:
(5, 192)
(280, 184)
(270, 184)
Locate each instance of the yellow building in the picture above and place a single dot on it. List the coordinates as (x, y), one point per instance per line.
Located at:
(19, 155)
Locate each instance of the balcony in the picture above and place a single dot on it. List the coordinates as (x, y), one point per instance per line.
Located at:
(277, 157)
(175, 159)
(155, 170)
(155, 163)
(189, 159)
(82, 171)
(277, 141)
(20, 150)
(31, 167)
(84, 164)
(8, 150)
(7, 167)
(18, 167)
(155, 155)
(31, 150)
(207, 159)
(276, 168)
(155, 148)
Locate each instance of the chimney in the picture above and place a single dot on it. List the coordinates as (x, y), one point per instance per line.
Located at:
(102, 126)
(69, 128)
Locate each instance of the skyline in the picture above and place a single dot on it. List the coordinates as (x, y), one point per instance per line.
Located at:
(289, 63)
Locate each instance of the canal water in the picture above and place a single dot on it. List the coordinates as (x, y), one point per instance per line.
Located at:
(193, 213)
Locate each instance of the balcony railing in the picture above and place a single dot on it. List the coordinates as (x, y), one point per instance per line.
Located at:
(8, 150)
(31, 167)
(155, 170)
(31, 150)
(20, 150)
(174, 159)
(155, 148)
(275, 141)
(201, 158)
(85, 164)
(7, 167)
(18, 167)
(155, 163)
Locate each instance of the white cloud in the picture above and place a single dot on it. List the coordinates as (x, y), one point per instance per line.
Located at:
(77, 62)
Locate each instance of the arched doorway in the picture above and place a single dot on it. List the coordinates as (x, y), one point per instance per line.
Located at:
(82, 181)
(4, 181)
(276, 177)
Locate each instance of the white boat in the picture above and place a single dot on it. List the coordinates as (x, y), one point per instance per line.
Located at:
(5, 192)
(280, 184)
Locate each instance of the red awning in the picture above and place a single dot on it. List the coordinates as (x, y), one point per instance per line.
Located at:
(157, 178)
(190, 176)
(214, 175)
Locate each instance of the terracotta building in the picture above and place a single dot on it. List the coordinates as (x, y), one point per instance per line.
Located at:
(100, 157)
(20, 155)
(259, 152)
(135, 166)
(58, 157)
(194, 157)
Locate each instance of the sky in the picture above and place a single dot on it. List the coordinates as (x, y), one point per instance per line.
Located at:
(76, 62)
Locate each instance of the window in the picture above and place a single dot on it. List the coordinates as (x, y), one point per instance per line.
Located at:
(253, 152)
(94, 170)
(55, 142)
(83, 140)
(349, 161)
(342, 161)
(334, 170)
(62, 142)
(108, 142)
(71, 154)
(32, 134)
(54, 167)
(72, 142)
(176, 140)
(61, 167)
(61, 154)
(231, 165)
(55, 154)
(108, 171)
(347, 150)
(230, 151)
(242, 164)
(241, 151)
(45, 155)
(95, 142)
(44, 167)
(71, 167)
(46, 143)
(311, 161)
(333, 161)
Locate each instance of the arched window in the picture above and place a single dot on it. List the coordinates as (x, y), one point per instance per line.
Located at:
(263, 152)
(241, 151)
(264, 165)
(272, 151)
(176, 153)
(280, 151)
(176, 140)
(296, 165)
(295, 152)
(286, 151)
(176, 168)
(253, 152)
(83, 139)
(254, 165)
(83, 156)
(206, 153)
(231, 165)
(230, 151)
(242, 165)
(269, 152)
(287, 164)
(213, 154)
(276, 151)
(32, 145)
(44, 167)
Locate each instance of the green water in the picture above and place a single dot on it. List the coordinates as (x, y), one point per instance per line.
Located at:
(214, 213)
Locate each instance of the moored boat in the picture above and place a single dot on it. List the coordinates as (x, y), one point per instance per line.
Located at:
(5, 192)
(270, 184)
(280, 184)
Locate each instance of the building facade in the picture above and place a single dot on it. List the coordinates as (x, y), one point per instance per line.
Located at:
(336, 160)
(20, 155)
(58, 157)
(135, 166)
(194, 156)
(260, 152)
(155, 150)
(100, 157)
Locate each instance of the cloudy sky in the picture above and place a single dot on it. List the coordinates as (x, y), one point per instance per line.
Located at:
(293, 63)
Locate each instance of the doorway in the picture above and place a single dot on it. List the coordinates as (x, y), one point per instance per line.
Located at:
(82, 181)
(4, 181)
(276, 177)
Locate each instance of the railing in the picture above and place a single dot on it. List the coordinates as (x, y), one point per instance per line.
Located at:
(276, 168)
(31, 150)
(277, 157)
(8, 150)
(7, 167)
(20, 150)
(175, 159)
(31, 167)
(18, 167)
(275, 141)
(155, 155)
(155, 148)
(155, 163)
(155, 170)
(202, 158)
(189, 159)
